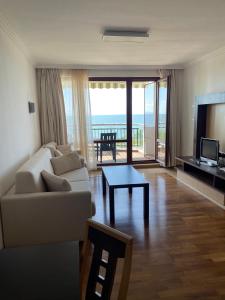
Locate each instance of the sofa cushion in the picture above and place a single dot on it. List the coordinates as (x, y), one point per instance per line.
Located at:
(76, 175)
(55, 183)
(28, 177)
(80, 186)
(66, 163)
(65, 149)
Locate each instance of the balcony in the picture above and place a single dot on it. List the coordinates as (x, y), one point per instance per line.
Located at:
(121, 142)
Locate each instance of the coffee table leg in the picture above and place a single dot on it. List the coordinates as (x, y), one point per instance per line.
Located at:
(146, 201)
(111, 205)
(103, 184)
(130, 190)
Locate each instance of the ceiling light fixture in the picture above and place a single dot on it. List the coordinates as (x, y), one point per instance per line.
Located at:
(136, 36)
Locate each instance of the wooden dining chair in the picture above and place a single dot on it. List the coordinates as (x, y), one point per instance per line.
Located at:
(101, 238)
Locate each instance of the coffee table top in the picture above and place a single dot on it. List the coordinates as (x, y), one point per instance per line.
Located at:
(123, 176)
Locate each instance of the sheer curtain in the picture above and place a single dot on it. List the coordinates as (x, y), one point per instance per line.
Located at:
(174, 117)
(51, 106)
(78, 111)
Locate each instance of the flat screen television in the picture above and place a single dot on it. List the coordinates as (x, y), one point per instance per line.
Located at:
(209, 151)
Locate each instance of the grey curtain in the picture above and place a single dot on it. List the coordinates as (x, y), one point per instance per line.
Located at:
(173, 117)
(51, 106)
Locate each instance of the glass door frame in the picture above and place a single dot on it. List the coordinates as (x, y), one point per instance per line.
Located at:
(129, 81)
(168, 79)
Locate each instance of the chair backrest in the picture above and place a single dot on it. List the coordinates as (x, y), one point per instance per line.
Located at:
(102, 271)
(109, 136)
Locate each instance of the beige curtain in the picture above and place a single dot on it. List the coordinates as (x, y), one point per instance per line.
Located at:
(76, 95)
(51, 106)
(173, 117)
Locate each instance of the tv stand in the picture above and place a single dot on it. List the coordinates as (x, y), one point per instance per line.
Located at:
(205, 179)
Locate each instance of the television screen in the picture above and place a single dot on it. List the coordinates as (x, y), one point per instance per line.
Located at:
(209, 149)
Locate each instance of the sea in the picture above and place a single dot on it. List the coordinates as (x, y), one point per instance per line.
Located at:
(115, 119)
(117, 123)
(122, 119)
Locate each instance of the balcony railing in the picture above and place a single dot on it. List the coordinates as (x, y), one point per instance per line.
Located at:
(121, 132)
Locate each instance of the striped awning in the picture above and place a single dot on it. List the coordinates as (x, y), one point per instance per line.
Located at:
(114, 84)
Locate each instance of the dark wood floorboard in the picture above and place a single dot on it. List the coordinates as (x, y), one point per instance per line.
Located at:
(180, 254)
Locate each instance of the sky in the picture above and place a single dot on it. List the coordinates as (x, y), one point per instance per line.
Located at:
(113, 101)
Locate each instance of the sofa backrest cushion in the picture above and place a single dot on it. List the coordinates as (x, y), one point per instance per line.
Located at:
(66, 163)
(28, 177)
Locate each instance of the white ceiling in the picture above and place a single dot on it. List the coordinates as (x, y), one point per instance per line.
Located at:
(69, 31)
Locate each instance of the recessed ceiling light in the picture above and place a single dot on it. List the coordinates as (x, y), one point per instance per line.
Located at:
(136, 36)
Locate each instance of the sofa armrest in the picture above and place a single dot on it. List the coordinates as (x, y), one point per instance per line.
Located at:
(37, 218)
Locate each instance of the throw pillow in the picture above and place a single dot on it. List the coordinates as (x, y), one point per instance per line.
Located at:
(55, 183)
(65, 149)
(57, 153)
(66, 163)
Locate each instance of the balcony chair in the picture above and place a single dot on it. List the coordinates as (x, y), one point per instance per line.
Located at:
(101, 240)
(108, 145)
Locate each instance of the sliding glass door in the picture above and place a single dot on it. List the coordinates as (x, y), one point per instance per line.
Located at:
(161, 117)
(143, 121)
(129, 119)
(150, 120)
(109, 120)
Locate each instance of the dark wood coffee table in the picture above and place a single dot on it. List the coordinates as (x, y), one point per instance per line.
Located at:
(118, 177)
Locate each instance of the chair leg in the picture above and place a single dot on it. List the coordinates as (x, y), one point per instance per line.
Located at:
(114, 154)
(101, 155)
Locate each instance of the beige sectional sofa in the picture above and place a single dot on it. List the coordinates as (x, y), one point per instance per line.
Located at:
(31, 215)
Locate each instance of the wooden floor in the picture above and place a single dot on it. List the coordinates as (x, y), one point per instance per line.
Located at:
(180, 254)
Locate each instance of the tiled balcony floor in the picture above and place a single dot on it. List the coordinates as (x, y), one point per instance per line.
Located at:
(121, 156)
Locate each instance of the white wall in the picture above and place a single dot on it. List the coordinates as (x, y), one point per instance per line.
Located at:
(19, 130)
(202, 77)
